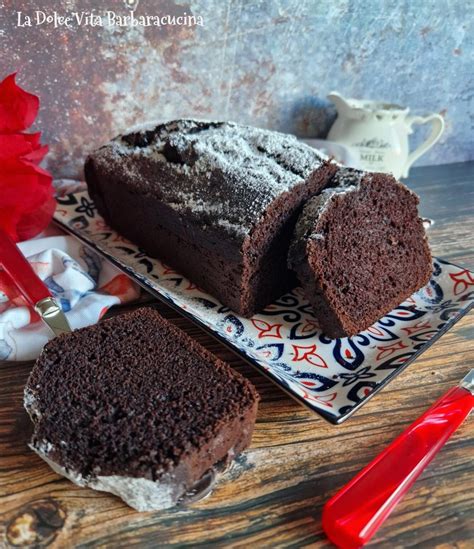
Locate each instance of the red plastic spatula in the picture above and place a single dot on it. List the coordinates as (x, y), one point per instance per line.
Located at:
(358, 510)
(31, 287)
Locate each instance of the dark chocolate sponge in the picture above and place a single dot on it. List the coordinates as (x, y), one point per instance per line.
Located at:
(215, 200)
(136, 397)
(359, 250)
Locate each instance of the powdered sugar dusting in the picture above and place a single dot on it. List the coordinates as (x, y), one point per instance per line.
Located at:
(345, 181)
(224, 174)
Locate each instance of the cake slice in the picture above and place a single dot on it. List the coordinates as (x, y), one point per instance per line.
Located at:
(359, 250)
(217, 201)
(135, 407)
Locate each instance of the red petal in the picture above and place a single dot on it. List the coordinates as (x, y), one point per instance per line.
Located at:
(34, 138)
(9, 219)
(18, 108)
(18, 166)
(21, 145)
(37, 195)
(22, 222)
(27, 202)
(36, 155)
(33, 223)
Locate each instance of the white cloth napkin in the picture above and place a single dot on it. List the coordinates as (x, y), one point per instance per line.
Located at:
(85, 285)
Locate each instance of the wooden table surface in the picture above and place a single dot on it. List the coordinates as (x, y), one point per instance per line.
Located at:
(274, 493)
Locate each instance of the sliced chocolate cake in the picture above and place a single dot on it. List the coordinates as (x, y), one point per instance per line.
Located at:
(359, 250)
(217, 201)
(135, 407)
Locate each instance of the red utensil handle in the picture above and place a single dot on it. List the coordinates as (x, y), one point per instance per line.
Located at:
(354, 514)
(19, 270)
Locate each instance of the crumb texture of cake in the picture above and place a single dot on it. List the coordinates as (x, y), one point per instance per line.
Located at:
(218, 201)
(359, 250)
(135, 407)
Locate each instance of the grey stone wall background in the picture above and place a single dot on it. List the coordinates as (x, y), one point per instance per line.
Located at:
(267, 63)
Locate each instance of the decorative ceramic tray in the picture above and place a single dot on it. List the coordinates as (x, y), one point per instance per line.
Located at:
(331, 377)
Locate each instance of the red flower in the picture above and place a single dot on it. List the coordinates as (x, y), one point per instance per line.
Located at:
(26, 193)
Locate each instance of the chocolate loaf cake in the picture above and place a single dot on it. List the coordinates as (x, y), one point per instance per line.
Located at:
(359, 250)
(217, 201)
(135, 407)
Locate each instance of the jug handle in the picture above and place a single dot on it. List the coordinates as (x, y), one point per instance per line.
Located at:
(339, 101)
(437, 129)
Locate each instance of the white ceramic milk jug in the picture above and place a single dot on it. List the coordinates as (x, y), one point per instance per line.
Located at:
(379, 132)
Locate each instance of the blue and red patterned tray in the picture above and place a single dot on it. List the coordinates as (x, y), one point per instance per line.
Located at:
(331, 377)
